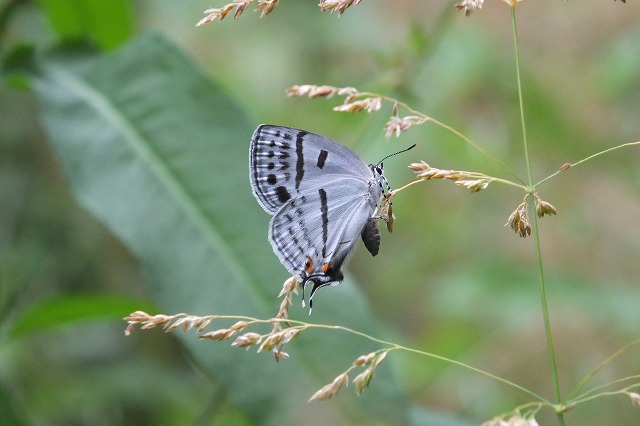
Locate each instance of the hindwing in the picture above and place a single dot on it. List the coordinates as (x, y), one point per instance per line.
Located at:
(312, 234)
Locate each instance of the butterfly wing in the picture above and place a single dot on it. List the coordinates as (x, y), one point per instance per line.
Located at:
(286, 163)
(312, 234)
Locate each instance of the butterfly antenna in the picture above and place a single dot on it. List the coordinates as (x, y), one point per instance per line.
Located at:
(399, 152)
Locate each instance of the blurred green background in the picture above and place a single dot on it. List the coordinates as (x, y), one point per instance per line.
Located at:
(450, 280)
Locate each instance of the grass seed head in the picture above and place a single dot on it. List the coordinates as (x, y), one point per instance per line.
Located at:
(330, 390)
(468, 6)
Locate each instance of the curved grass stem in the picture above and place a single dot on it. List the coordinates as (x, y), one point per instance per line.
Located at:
(604, 363)
(395, 346)
(597, 154)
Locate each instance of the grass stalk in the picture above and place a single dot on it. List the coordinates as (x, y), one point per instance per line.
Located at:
(532, 208)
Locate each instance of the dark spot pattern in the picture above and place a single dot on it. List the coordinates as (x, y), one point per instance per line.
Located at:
(322, 157)
(282, 194)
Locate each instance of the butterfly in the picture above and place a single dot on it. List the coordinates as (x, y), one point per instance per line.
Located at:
(322, 196)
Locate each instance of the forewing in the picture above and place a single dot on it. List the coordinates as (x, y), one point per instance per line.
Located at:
(321, 226)
(286, 163)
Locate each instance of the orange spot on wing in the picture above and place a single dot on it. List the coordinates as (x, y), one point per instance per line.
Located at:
(308, 265)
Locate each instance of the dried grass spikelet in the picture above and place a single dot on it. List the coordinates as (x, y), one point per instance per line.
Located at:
(474, 185)
(280, 354)
(474, 182)
(514, 420)
(273, 341)
(188, 322)
(219, 13)
(519, 220)
(363, 379)
(220, 334)
(167, 322)
(365, 359)
(330, 390)
(542, 207)
(313, 91)
(378, 360)
(216, 13)
(565, 166)
(372, 360)
(356, 101)
(469, 6)
(337, 5)
(290, 286)
(366, 104)
(247, 340)
(635, 399)
(266, 7)
(397, 125)
(145, 321)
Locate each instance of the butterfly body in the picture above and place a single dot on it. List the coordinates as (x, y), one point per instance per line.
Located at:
(322, 196)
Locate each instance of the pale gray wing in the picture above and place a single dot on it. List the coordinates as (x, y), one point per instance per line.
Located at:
(286, 163)
(317, 230)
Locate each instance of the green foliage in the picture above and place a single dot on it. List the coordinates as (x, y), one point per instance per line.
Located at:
(73, 310)
(107, 23)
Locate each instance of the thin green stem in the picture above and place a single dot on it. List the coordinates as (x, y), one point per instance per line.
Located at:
(588, 395)
(532, 208)
(389, 345)
(604, 363)
(545, 305)
(597, 154)
(395, 346)
(471, 175)
(520, 96)
(591, 396)
(482, 150)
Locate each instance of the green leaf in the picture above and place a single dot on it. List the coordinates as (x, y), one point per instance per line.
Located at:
(107, 22)
(15, 63)
(73, 309)
(10, 412)
(159, 154)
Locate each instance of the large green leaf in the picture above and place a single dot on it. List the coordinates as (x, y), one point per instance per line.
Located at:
(107, 22)
(66, 310)
(158, 153)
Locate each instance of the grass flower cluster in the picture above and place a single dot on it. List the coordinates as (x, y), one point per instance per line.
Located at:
(265, 7)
